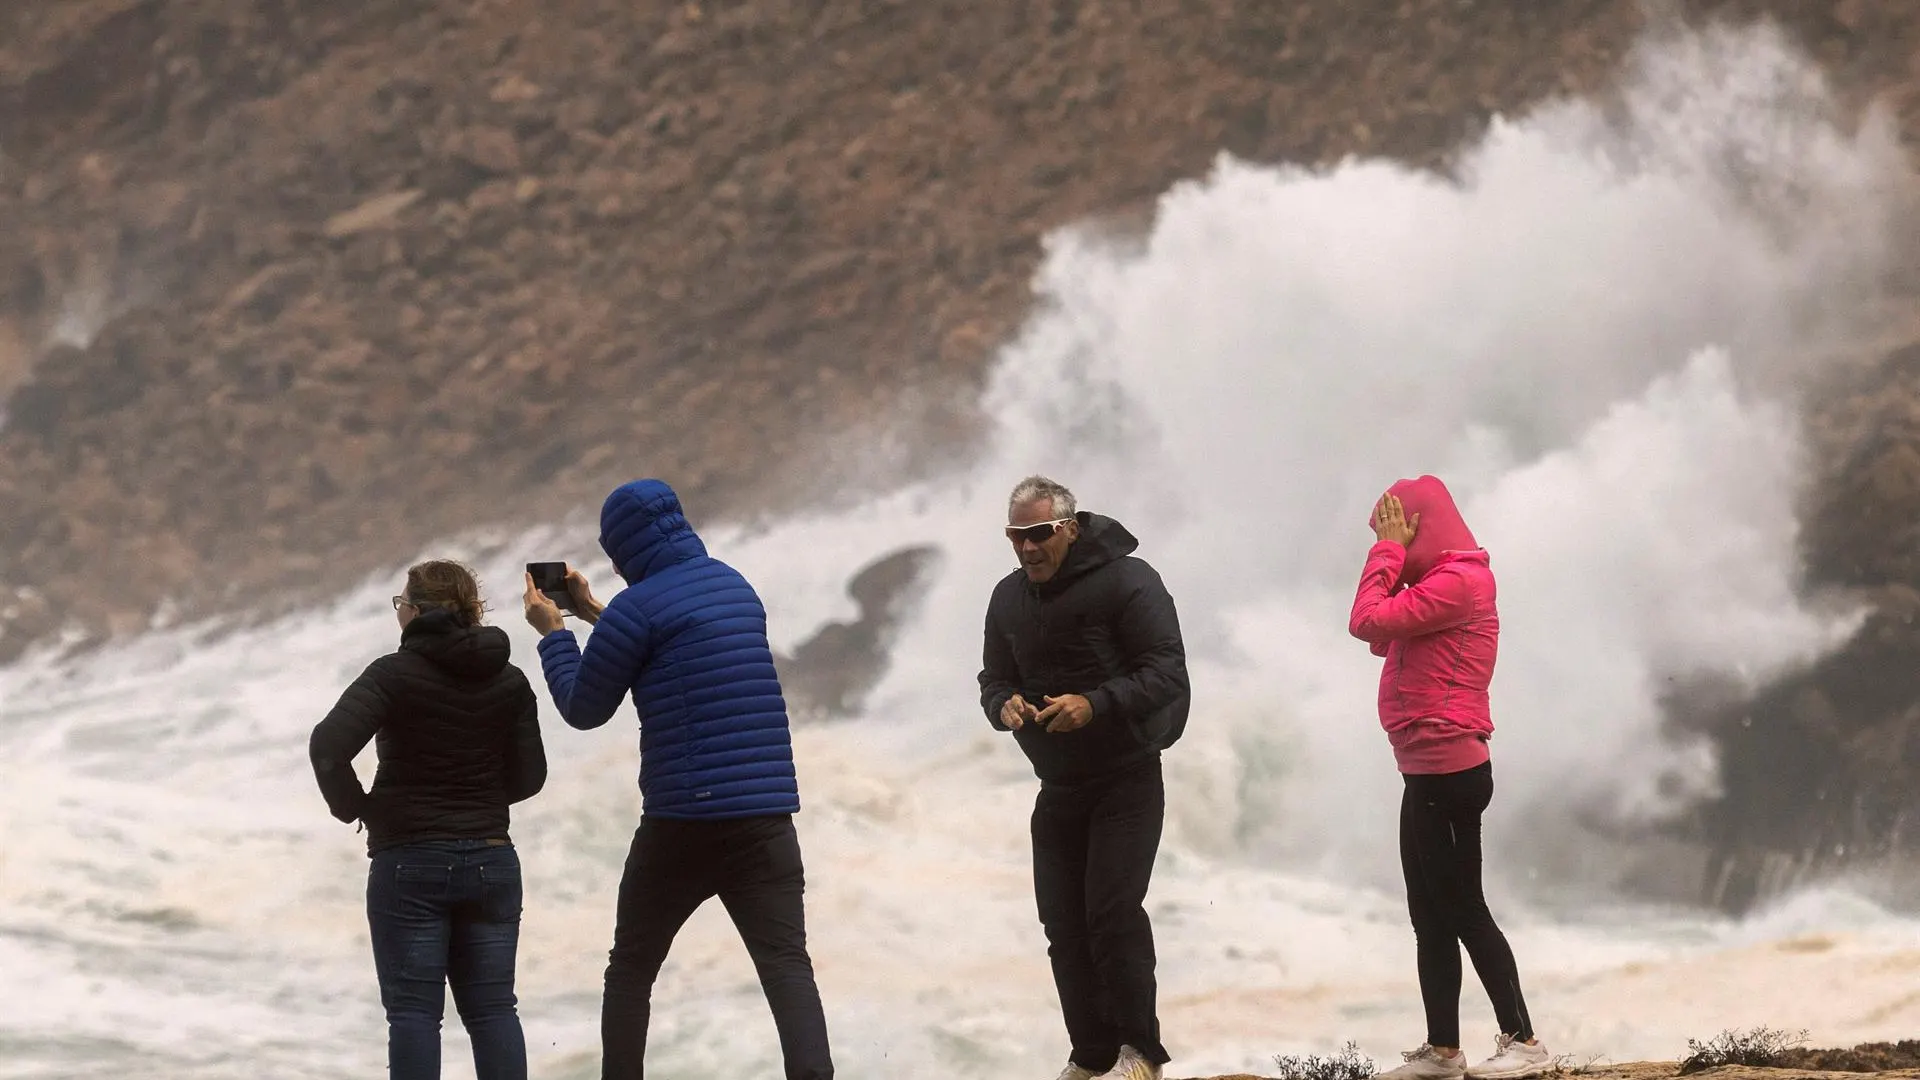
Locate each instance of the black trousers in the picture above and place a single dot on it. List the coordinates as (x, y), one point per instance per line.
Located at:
(1440, 856)
(1093, 849)
(753, 866)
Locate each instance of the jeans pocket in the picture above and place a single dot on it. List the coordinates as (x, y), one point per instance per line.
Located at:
(423, 879)
(500, 892)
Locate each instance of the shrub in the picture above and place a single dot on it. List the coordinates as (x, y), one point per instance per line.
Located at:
(1760, 1048)
(1348, 1064)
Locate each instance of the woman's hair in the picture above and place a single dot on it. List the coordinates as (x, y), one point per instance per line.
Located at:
(445, 585)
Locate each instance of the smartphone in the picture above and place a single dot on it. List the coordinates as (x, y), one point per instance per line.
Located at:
(551, 579)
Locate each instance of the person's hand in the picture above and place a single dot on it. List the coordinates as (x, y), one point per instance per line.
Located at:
(584, 605)
(1016, 713)
(1390, 521)
(1068, 712)
(543, 614)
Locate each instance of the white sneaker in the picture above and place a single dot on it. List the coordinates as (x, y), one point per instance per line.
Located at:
(1131, 1066)
(1513, 1059)
(1075, 1072)
(1427, 1063)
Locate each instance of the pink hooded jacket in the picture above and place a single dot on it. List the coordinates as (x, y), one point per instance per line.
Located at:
(1429, 609)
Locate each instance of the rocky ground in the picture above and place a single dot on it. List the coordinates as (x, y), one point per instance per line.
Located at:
(1669, 1069)
(294, 287)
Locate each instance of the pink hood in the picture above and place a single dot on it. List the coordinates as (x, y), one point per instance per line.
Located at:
(1441, 528)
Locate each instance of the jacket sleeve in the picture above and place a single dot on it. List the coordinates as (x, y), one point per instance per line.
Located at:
(1440, 601)
(999, 673)
(587, 686)
(1148, 636)
(337, 739)
(526, 755)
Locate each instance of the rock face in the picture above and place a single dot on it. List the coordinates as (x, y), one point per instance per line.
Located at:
(1823, 769)
(831, 673)
(1854, 1065)
(293, 287)
(1868, 1057)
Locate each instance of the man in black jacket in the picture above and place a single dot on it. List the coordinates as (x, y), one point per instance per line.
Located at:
(1085, 666)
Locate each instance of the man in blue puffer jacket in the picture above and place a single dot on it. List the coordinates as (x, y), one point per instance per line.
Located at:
(688, 639)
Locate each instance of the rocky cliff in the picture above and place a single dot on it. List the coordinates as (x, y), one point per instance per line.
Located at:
(293, 287)
(1667, 1070)
(297, 286)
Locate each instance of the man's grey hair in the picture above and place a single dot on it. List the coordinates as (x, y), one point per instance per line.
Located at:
(1034, 488)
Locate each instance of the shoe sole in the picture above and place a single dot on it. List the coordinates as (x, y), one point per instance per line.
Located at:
(1514, 1074)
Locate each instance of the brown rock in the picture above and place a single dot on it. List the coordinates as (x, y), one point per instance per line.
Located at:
(377, 212)
(1895, 476)
(492, 196)
(513, 89)
(1888, 1061)
(493, 149)
(16, 358)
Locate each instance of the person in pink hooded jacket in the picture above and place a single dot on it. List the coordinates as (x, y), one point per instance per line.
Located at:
(1426, 604)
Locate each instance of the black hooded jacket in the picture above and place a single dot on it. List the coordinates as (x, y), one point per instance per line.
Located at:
(458, 737)
(1103, 627)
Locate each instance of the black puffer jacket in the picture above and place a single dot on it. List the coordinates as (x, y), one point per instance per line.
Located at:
(458, 738)
(1103, 627)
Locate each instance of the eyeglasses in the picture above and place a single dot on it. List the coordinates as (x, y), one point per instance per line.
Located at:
(1039, 534)
(399, 600)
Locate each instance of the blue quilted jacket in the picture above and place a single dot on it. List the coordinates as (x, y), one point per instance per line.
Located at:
(688, 639)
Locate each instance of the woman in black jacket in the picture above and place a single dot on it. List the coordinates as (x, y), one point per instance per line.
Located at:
(457, 732)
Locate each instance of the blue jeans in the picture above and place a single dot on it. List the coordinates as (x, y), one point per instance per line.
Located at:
(448, 911)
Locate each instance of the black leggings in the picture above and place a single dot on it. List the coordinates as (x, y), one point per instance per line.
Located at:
(1440, 855)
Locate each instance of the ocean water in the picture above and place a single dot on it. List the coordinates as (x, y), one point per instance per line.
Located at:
(1595, 327)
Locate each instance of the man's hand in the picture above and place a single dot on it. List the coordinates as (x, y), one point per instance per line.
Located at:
(543, 614)
(1068, 712)
(1390, 521)
(584, 605)
(1016, 713)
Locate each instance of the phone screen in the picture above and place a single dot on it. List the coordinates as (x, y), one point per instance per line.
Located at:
(551, 579)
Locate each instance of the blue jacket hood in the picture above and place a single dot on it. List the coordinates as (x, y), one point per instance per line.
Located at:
(644, 531)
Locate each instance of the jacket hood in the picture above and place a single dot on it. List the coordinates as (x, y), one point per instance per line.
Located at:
(643, 530)
(1102, 540)
(1441, 528)
(466, 652)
